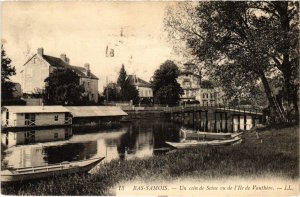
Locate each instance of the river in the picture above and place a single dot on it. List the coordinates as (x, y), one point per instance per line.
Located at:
(138, 139)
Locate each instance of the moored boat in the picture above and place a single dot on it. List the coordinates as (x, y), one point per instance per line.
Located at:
(30, 173)
(197, 135)
(196, 143)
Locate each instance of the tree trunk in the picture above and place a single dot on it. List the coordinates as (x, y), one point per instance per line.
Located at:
(275, 111)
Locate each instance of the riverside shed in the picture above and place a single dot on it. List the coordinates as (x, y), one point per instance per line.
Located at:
(33, 116)
(96, 114)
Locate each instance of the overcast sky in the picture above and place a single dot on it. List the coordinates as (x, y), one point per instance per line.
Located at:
(82, 30)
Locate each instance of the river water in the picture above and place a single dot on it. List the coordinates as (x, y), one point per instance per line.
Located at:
(138, 139)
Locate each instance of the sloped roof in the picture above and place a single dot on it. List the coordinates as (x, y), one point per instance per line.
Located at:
(57, 62)
(36, 109)
(95, 111)
(133, 79)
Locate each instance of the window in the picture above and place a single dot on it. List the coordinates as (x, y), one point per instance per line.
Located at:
(211, 95)
(55, 135)
(56, 118)
(34, 60)
(29, 119)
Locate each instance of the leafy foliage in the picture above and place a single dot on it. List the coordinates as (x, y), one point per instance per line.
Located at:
(7, 70)
(166, 89)
(129, 92)
(112, 92)
(242, 43)
(63, 88)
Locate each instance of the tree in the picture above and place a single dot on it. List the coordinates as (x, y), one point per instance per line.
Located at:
(122, 76)
(129, 92)
(242, 44)
(112, 92)
(7, 70)
(63, 88)
(166, 89)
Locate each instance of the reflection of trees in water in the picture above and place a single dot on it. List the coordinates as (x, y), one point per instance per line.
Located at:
(70, 152)
(128, 142)
(162, 132)
(142, 133)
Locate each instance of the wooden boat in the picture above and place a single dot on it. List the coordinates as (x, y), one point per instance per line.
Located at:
(196, 143)
(197, 135)
(30, 173)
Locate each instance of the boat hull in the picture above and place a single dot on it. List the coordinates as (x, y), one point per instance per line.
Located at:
(194, 143)
(25, 174)
(192, 135)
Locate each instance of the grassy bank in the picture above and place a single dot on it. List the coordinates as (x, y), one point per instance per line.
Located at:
(267, 152)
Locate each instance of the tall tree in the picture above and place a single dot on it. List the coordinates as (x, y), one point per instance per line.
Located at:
(240, 39)
(129, 92)
(63, 88)
(7, 70)
(122, 76)
(166, 89)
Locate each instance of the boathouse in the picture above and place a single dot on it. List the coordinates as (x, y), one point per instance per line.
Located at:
(96, 115)
(35, 116)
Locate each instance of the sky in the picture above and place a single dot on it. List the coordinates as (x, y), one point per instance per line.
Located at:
(83, 31)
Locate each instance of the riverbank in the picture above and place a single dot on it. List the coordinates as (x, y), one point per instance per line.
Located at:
(271, 152)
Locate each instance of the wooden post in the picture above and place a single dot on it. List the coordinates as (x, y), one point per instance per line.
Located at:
(200, 121)
(215, 124)
(221, 120)
(226, 129)
(206, 121)
(245, 120)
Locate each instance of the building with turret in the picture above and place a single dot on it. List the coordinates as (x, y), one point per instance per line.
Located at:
(197, 90)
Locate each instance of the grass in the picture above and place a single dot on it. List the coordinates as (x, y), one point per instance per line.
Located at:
(274, 152)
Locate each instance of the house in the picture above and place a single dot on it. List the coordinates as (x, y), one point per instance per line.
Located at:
(144, 88)
(39, 66)
(197, 90)
(35, 116)
(210, 94)
(190, 80)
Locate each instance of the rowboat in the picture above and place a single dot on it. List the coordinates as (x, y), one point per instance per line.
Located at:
(197, 135)
(38, 172)
(196, 143)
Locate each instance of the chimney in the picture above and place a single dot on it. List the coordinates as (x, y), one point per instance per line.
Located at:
(40, 51)
(63, 57)
(87, 67)
(68, 60)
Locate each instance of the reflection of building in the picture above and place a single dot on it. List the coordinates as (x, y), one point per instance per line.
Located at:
(196, 89)
(30, 116)
(30, 156)
(144, 87)
(38, 68)
(10, 139)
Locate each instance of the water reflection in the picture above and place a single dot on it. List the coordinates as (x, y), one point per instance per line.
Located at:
(141, 138)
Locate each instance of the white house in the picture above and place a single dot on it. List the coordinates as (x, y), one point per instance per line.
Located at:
(39, 66)
(31, 116)
(144, 87)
